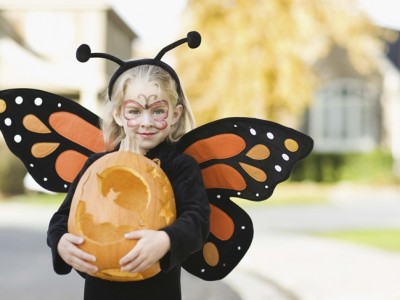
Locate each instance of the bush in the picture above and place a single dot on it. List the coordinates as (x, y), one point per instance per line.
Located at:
(370, 168)
(12, 172)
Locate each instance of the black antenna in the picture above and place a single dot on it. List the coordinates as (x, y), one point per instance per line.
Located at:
(83, 54)
(193, 39)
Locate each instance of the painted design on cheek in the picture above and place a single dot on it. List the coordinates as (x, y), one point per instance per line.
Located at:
(137, 114)
(159, 112)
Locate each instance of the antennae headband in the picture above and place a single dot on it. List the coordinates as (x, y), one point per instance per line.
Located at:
(84, 53)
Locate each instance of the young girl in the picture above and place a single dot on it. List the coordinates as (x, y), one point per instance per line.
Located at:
(146, 112)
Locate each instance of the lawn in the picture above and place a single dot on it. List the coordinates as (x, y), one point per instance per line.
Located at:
(36, 198)
(386, 239)
(289, 193)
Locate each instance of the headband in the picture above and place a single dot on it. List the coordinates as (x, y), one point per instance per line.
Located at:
(83, 54)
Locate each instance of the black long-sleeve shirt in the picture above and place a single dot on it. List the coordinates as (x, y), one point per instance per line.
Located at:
(187, 233)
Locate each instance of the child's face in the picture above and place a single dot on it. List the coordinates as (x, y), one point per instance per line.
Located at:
(147, 115)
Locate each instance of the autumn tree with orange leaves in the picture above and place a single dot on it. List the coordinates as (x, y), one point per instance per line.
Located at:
(257, 57)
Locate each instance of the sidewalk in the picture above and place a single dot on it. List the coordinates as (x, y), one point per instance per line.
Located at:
(307, 268)
(302, 267)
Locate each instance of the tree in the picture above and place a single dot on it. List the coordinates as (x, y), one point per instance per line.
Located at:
(256, 57)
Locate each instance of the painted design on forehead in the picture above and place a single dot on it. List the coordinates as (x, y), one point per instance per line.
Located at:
(147, 99)
(136, 113)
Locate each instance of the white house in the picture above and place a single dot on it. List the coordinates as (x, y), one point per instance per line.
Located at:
(354, 112)
(38, 40)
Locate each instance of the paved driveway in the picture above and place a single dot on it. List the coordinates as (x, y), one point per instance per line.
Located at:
(26, 273)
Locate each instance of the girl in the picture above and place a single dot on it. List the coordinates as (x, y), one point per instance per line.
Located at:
(146, 111)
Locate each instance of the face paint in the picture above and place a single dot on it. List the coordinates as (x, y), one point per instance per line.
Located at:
(136, 114)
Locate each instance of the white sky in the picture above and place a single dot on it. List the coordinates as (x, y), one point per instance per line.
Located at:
(385, 13)
(157, 21)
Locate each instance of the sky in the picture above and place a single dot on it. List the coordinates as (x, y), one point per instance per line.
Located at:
(384, 12)
(157, 21)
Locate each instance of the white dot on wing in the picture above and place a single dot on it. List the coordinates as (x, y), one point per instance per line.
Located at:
(17, 138)
(19, 100)
(38, 101)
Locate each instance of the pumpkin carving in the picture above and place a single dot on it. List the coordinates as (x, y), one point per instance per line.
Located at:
(120, 192)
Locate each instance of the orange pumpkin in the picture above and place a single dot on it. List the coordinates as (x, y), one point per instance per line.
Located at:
(119, 193)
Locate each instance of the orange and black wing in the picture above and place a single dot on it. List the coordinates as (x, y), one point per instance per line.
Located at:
(52, 135)
(244, 158)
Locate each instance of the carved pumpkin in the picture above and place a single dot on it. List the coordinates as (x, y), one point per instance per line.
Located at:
(119, 193)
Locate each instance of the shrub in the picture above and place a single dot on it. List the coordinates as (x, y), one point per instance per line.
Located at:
(372, 167)
(12, 172)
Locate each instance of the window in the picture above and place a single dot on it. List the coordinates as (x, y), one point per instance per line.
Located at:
(345, 117)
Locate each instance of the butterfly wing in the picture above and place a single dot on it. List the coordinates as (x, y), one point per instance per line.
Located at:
(231, 233)
(239, 157)
(52, 135)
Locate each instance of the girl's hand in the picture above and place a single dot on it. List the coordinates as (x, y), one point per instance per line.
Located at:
(75, 257)
(151, 246)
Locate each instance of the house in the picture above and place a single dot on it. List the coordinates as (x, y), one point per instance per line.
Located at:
(356, 112)
(38, 40)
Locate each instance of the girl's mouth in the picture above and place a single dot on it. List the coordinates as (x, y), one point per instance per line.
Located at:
(146, 134)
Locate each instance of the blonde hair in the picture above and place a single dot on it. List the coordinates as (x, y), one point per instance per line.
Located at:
(113, 134)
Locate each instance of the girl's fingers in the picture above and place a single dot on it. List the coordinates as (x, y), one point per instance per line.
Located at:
(77, 240)
(75, 251)
(85, 267)
(134, 266)
(80, 261)
(84, 255)
(129, 257)
(150, 248)
(134, 235)
(139, 263)
(134, 253)
(75, 257)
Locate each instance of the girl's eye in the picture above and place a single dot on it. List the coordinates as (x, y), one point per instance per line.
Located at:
(159, 111)
(134, 111)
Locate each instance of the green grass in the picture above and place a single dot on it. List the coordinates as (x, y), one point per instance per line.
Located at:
(385, 239)
(289, 193)
(36, 199)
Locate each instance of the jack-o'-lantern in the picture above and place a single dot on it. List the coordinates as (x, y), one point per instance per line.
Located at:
(119, 193)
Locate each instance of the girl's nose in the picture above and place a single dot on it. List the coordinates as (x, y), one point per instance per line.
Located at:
(147, 120)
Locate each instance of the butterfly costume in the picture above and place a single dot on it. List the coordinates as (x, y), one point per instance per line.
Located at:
(238, 157)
